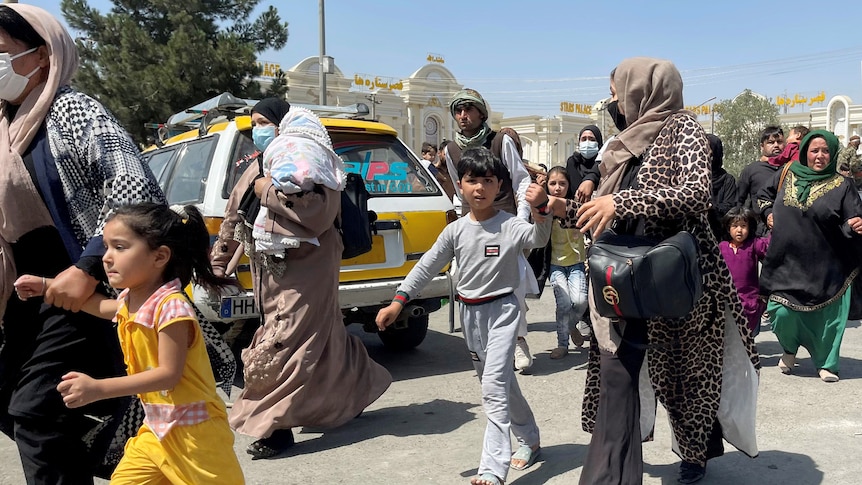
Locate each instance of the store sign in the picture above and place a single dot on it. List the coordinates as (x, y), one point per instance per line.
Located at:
(701, 110)
(386, 83)
(798, 99)
(569, 107)
(435, 58)
(268, 69)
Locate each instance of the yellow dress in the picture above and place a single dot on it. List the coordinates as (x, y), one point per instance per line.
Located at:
(185, 437)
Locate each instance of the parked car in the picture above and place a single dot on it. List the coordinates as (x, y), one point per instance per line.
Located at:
(203, 151)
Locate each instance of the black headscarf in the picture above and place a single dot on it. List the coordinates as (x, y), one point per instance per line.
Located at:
(596, 132)
(717, 154)
(273, 109)
(723, 188)
(581, 168)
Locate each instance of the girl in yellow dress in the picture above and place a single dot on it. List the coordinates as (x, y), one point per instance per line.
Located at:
(152, 252)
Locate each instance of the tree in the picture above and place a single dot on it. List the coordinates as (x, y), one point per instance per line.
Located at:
(148, 59)
(739, 123)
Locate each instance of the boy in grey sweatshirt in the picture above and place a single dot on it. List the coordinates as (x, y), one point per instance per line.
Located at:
(486, 244)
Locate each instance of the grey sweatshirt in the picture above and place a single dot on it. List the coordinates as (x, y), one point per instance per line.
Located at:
(486, 253)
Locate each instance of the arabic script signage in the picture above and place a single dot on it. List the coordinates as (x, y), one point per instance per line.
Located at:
(377, 82)
(435, 58)
(800, 100)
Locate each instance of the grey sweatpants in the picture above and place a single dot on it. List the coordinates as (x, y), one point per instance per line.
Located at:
(490, 330)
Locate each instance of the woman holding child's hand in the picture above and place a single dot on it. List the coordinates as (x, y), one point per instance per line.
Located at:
(28, 286)
(594, 215)
(655, 182)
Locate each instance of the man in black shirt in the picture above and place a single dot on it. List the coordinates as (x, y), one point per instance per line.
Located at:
(758, 174)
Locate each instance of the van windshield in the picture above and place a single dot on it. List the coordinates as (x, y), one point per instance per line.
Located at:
(386, 165)
(182, 171)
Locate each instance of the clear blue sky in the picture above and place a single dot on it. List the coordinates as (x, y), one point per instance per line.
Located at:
(526, 57)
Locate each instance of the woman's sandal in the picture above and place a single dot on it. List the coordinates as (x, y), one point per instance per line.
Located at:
(527, 455)
(786, 363)
(828, 376)
(487, 478)
(277, 443)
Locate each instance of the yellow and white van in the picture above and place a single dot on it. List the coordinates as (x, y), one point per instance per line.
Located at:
(203, 151)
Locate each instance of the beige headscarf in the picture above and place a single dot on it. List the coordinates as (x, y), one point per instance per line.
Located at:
(649, 91)
(21, 208)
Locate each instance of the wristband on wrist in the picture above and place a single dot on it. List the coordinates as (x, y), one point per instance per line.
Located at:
(543, 208)
(401, 298)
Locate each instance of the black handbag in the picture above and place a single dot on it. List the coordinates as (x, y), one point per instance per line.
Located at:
(635, 277)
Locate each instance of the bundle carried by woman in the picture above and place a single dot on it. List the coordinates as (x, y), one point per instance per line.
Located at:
(300, 158)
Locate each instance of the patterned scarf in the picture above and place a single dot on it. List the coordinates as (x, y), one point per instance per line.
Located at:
(805, 176)
(476, 140)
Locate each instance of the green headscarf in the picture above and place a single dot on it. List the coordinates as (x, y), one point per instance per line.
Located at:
(805, 176)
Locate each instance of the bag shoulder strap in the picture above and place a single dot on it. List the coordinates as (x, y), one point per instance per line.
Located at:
(783, 175)
(454, 152)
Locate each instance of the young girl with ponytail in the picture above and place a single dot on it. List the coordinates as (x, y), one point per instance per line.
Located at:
(152, 252)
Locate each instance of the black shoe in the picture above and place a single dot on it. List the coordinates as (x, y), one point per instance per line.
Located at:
(276, 444)
(691, 472)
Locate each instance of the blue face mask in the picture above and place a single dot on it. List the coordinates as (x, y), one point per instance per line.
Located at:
(588, 149)
(263, 136)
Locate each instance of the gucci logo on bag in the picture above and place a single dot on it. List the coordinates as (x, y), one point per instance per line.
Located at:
(610, 295)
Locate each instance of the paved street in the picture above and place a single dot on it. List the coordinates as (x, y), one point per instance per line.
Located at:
(427, 428)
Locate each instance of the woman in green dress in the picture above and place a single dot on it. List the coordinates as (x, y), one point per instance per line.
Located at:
(816, 215)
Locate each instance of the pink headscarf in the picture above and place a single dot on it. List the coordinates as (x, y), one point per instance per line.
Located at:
(21, 207)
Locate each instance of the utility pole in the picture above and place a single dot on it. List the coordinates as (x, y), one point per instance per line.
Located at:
(321, 68)
(373, 98)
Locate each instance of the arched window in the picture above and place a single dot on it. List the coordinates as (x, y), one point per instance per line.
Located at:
(432, 130)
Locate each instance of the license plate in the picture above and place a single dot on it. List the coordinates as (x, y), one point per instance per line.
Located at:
(238, 306)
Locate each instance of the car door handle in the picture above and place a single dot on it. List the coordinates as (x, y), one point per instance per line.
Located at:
(387, 225)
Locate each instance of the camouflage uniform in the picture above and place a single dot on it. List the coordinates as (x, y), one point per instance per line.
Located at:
(849, 160)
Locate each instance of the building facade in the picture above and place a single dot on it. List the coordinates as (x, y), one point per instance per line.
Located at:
(417, 106)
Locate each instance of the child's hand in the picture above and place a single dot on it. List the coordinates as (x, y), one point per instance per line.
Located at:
(536, 195)
(79, 389)
(28, 286)
(387, 315)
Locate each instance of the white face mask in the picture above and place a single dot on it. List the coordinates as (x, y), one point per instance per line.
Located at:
(588, 149)
(13, 84)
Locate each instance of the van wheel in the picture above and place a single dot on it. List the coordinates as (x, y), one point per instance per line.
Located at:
(406, 338)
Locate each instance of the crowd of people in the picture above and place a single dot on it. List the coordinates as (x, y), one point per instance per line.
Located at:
(136, 399)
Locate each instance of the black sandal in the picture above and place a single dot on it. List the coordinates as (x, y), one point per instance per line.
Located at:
(691, 472)
(274, 445)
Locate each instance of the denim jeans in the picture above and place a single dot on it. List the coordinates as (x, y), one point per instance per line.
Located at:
(570, 291)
